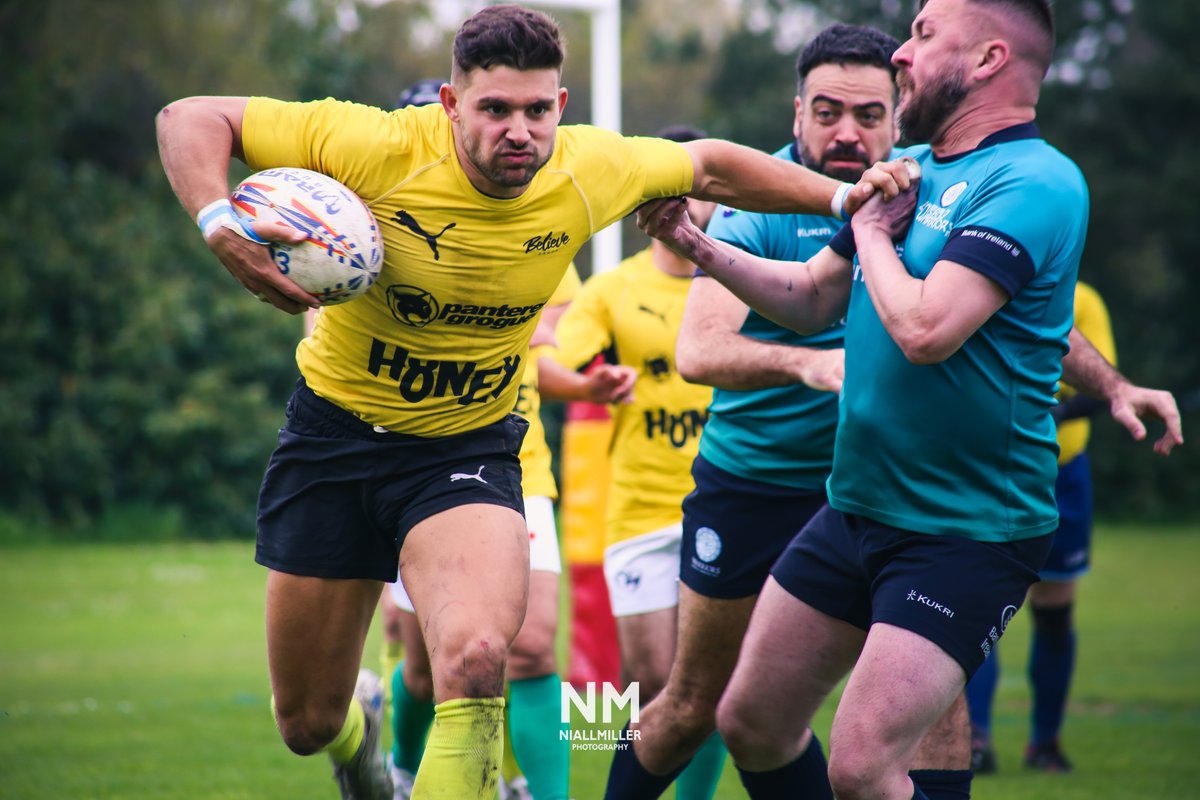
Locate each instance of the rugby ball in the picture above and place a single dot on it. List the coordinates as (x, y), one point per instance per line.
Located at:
(343, 253)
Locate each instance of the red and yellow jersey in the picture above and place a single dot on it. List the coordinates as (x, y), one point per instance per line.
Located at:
(438, 345)
(1091, 318)
(537, 478)
(635, 312)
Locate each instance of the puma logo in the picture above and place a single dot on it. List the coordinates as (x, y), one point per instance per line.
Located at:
(464, 476)
(653, 313)
(408, 221)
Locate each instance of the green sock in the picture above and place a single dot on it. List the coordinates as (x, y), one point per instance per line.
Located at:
(699, 780)
(534, 717)
(410, 724)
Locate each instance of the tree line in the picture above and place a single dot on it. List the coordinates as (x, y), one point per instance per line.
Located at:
(134, 371)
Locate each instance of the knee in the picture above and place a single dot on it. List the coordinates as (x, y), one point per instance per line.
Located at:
(749, 742)
(852, 774)
(305, 731)
(473, 667)
(532, 652)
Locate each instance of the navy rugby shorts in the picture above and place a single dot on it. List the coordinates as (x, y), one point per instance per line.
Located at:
(734, 528)
(1070, 557)
(958, 593)
(339, 497)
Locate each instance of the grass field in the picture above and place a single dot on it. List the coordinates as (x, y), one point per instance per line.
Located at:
(138, 672)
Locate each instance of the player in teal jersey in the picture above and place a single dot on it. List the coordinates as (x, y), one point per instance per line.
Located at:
(941, 496)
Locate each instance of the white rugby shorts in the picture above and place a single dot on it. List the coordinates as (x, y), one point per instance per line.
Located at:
(643, 572)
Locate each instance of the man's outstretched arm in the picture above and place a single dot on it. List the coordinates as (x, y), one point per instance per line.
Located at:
(1088, 371)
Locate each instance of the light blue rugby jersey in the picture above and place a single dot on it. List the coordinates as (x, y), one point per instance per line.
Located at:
(782, 435)
(966, 447)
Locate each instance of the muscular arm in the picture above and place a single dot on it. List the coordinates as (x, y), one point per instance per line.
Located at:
(742, 177)
(712, 351)
(929, 319)
(804, 296)
(1088, 371)
(196, 138)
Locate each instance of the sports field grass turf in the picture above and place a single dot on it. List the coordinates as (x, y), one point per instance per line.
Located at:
(138, 671)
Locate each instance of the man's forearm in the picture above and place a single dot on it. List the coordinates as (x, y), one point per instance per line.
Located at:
(1087, 370)
(742, 363)
(745, 178)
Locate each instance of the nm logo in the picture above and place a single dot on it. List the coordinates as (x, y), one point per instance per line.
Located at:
(412, 305)
(587, 705)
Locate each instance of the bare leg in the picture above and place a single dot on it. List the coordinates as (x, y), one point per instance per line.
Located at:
(467, 573)
(900, 687)
(792, 658)
(647, 647)
(532, 654)
(679, 719)
(316, 628)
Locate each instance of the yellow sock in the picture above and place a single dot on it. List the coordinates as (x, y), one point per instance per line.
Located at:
(462, 756)
(346, 743)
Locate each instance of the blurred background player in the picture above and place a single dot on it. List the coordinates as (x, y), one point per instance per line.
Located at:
(632, 314)
(1052, 598)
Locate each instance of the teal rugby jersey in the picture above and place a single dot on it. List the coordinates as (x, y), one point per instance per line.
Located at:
(967, 446)
(781, 435)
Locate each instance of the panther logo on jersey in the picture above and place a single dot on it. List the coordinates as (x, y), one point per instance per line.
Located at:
(412, 305)
(658, 367)
(431, 239)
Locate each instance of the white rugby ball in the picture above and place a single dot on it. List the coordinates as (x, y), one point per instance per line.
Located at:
(343, 253)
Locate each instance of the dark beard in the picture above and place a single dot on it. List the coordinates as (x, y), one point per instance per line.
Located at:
(835, 153)
(925, 114)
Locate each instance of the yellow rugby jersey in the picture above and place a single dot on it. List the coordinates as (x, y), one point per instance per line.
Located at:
(537, 478)
(437, 346)
(1091, 318)
(636, 310)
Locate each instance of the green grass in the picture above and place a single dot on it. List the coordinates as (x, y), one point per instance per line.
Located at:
(138, 671)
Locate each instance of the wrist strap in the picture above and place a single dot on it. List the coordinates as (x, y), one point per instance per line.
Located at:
(838, 204)
(220, 214)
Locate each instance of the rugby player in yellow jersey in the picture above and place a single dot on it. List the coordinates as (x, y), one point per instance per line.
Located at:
(399, 440)
(632, 315)
(534, 686)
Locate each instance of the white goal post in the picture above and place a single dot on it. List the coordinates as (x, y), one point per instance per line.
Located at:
(606, 98)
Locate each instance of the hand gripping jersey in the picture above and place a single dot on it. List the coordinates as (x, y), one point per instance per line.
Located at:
(781, 435)
(634, 313)
(967, 446)
(1091, 318)
(438, 344)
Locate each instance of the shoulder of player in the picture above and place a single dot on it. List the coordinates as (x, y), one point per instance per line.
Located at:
(1031, 171)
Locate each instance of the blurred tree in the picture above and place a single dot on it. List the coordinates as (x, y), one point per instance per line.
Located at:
(133, 370)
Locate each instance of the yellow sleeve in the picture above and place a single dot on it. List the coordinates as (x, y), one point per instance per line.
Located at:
(619, 173)
(585, 328)
(361, 146)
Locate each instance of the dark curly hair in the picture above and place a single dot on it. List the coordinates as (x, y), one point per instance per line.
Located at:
(508, 36)
(847, 44)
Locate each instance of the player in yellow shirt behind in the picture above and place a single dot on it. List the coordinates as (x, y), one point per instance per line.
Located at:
(632, 315)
